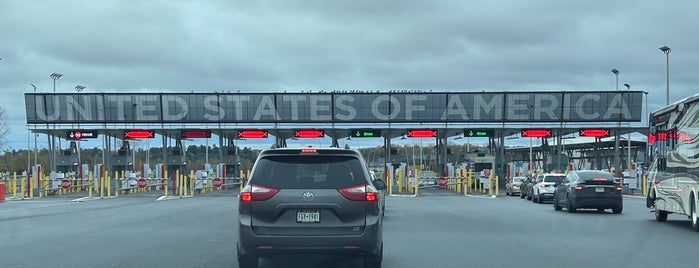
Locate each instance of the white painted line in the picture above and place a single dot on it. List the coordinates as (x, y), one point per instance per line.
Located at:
(403, 195)
(81, 199)
(484, 197)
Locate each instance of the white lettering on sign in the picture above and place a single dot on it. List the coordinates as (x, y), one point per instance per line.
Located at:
(214, 111)
(394, 105)
(81, 107)
(481, 104)
(296, 102)
(412, 105)
(174, 108)
(318, 107)
(345, 110)
(582, 102)
(519, 106)
(455, 107)
(146, 109)
(266, 109)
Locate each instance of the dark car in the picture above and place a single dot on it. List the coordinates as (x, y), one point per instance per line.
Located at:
(588, 189)
(310, 201)
(525, 190)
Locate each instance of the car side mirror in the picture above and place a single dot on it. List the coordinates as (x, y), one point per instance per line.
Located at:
(379, 184)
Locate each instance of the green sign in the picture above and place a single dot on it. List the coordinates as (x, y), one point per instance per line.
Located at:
(365, 133)
(479, 132)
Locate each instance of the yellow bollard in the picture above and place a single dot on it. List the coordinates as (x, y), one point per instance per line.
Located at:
(109, 185)
(417, 182)
(497, 185)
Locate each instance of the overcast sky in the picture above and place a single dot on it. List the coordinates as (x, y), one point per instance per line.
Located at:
(266, 46)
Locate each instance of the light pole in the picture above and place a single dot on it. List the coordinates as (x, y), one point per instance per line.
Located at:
(667, 51)
(628, 138)
(616, 133)
(78, 89)
(55, 77)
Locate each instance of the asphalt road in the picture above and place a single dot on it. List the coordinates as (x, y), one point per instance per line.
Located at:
(437, 229)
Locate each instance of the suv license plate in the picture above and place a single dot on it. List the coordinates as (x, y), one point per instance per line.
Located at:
(599, 189)
(308, 216)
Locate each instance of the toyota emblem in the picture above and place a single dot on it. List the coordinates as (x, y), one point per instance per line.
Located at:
(308, 196)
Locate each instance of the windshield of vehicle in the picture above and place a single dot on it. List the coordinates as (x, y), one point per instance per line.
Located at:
(518, 179)
(308, 172)
(554, 178)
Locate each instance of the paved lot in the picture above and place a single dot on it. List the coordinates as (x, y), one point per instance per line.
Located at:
(437, 229)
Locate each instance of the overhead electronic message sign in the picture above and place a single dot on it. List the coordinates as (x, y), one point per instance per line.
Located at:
(81, 134)
(536, 133)
(139, 134)
(479, 132)
(594, 132)
(253, 134)
(195, 134)
(422, 133)
(365, 133)
(335, 107)
(309, 133)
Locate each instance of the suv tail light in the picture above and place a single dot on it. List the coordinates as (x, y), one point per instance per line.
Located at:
(578, 188)
(362, 192)
(618, 188)
(253, 192)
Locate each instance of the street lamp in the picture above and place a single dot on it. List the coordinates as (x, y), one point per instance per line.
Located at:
(55, 77)
(628, 138)
(667, 50)
(618, 125)
(79, 88)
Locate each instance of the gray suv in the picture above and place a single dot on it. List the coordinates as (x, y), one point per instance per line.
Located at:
(310, 201)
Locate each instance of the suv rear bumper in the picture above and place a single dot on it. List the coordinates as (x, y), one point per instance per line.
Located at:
(368, 242)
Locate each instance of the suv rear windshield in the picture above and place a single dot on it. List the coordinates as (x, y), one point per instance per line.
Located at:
(554, 179)
(308, 172)
(588, 176)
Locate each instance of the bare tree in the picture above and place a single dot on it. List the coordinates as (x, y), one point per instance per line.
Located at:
(4, 129)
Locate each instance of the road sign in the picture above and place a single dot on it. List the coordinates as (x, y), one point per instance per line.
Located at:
(195, 134)
(594, 132)
(139, 134)
(218, 182)
(536, 133)
(479, 132)
(365, 133)
(309, 133)
(442, 181)
(141, 183)
(422, 133)
(81, 134)
(253, 134)
(65, 183)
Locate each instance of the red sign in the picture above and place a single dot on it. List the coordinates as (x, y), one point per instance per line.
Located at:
(662, 136)
(141, 183)
(253, 134)
(309, 133)
(651, 138)
(594, 132)
(536, 133)
(422, 133)
(65, 183)
(196, 134)
(442, 181)
(139, 134)
(218, 182)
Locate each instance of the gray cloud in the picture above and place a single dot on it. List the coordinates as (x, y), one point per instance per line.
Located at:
(165, 46)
